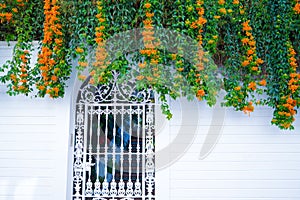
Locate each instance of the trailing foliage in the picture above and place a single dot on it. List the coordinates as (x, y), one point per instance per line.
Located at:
(255, 45)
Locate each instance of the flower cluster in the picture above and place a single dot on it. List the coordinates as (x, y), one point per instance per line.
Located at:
(284, 113)
(286, 109)
(249, 66)
(251, 63)
(7, 12)
(51, 60)
(150, 51)
(201, 21)
(101, 63)
(5, 16)
(294, 76)
(297, 7)
(20, 77)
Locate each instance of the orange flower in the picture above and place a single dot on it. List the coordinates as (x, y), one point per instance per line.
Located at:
(263, 82)
(79, 50)
(293, 88)
(245, 41)
(201, 21)
(56, 70)
(217, 17)
(245, 63)
(292, 51)
(149, 14)
(8, 16)
(252, 43)
(221, 2)
(81, 77)
(246, 26)
(254, 68)
(252, 86)
(21, 87)
(200, 93)
(238, 88)
(41, 87)
(250, 52)
(140, 77)
(297, 8)
(293, 75)
(101, 20)
(180, 69)
(2, 5)
(83, 64)
(142, 65)
(223, 11)
(54, 78)
(259, 61)
(156, 74)
(149, 78)
(235, 2)
(13, 77)
(249, 108)
(23, 69)
(14, 10)
(210, 42)
(92, 81)
(24, 75)
(174, 56)
(56, 90)
(147, 5)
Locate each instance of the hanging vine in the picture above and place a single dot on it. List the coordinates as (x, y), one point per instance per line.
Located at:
(254, 45)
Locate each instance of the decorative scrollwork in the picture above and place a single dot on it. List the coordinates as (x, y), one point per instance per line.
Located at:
(116, 99)
(115, 92)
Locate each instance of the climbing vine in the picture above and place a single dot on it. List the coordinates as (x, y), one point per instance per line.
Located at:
(249, 48)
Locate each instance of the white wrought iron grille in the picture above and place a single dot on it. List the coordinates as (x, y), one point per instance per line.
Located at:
(114, 143)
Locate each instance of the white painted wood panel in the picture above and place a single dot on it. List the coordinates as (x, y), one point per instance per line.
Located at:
(252, 159)
(34, 136)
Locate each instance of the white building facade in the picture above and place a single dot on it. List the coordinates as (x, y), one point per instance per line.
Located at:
(201, 153)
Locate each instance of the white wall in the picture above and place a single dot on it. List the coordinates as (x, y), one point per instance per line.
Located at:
(251, 161)
(34, 136)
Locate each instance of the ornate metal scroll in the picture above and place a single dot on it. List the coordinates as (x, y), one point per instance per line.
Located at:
(108, 162)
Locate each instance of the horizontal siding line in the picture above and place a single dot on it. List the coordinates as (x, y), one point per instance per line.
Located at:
(230, 198)
(179, 180)
(233, 188)
(25, 116)
(23, 176)
(254, 180)
(215, 153)
(239, 170)
(16, 124)
(53, 141)
(229, 152)
(27, 151)
(228, 125)
(241, 143)
(24, 195)
(27, 185)
(26, 133)
(28, 168)
(20, 160)
(242, 161)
